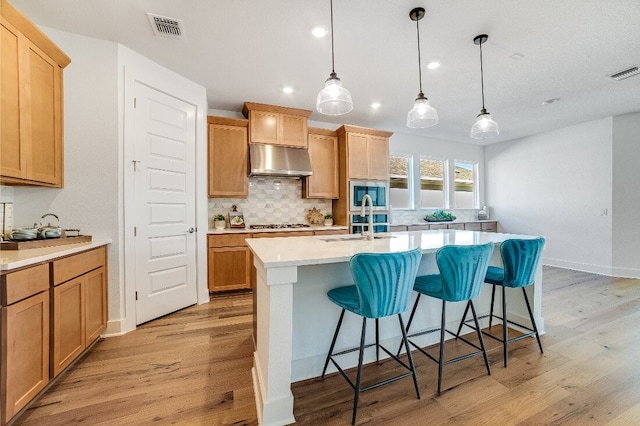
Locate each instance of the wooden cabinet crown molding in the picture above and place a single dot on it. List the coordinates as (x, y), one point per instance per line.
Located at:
(33, 33)
(248, 106)
(227, 121)
(363, 130)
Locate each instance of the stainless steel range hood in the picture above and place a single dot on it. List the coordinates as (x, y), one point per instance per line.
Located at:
(275, 160)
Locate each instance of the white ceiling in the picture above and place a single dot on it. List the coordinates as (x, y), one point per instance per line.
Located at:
(247, 50)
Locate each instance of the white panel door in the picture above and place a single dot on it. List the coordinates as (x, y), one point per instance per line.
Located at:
(165, 241)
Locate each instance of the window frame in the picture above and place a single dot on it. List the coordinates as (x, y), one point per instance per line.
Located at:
(410, 181)
(445, 183)
(476, 185)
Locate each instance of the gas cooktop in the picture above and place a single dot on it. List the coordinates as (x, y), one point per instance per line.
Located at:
(279, 226)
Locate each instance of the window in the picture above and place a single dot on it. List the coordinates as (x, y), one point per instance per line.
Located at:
(464, 185)
(432, 182)
(400, 193)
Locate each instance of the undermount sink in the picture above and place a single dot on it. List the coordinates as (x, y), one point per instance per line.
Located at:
(355, 237)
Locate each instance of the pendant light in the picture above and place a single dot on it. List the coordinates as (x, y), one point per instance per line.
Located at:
(422, 114)
(484, 127)
(333, 99)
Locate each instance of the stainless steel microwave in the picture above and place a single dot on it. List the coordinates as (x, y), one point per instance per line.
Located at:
(378, 191)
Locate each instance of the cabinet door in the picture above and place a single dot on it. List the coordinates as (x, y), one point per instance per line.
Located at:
(68, 324)
(419, 227)
(490, 226)
(229, 268)
(228, 174)
(45, 119)
(472, 226)
(263, 127)
(455, 226)
(293, 130)
(25, 349)
(438, 226)
(13, 162)
(323, 151)
(378, 150)
(358, 156)
(398, 228)
(95, 292)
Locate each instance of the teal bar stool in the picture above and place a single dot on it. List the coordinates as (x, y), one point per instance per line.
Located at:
(520, 258)
(462, 272)
(383, 284)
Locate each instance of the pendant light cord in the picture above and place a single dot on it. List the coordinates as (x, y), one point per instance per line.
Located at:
(481, 75)
(419, 58)
(333, 67)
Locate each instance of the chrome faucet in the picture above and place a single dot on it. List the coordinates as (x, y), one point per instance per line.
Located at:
(364, 203)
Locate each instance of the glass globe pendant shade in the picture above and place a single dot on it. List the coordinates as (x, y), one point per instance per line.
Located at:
(484, 127)
(422, 114)
(334, 99)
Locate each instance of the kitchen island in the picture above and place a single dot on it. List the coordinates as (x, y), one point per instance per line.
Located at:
(296, 321)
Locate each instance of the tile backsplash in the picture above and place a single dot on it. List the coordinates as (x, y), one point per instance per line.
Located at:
(417, 216)
(271, 200)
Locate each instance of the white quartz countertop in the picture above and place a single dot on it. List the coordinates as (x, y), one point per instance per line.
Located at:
(298, 251)
(13, 259)
(255, 231)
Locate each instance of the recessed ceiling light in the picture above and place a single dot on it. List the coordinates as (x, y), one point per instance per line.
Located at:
(287, 89)
(433, 65)
(516, 56)
(319, 31)
(376, 105)
(550, 101)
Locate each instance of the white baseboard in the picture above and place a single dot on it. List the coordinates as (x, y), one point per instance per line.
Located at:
(114, 328)
(578, 266)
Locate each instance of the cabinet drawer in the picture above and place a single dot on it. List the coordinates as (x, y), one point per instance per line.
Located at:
(473, 226)
(418, 227)
(330, 232)
(490, 226)
(398, 228)
(283, 234)
(439, 226)
(22, 284)
(73, 266)
(455, 226)
(228, 240)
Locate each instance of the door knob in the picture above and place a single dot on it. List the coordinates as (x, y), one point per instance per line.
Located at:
(191, 230)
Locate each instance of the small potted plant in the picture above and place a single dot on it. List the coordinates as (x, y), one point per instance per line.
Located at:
(219, 221)
(328, 219)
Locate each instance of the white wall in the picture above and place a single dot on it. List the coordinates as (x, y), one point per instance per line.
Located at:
(89, 199)
(557, 184)
(626, 195)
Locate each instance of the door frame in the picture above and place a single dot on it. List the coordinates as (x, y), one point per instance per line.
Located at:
(134, 68)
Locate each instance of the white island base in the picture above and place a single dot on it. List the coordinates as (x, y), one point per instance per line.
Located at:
(296, 321)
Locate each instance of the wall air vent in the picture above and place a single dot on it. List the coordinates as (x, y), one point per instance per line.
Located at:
(625, 74)
(167, 27)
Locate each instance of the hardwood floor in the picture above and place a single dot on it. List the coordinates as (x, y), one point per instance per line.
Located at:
(193, 367)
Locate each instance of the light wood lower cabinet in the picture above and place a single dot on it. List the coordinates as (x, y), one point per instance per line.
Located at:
(229, 262)
(51, 313)
(79, 316)
(25, 352)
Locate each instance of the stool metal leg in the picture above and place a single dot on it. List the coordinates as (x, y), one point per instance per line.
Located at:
(441, 359)
(533, 321)
(505, 334)
(493, 298)
(377, 342)
(464, 317)
(479, 333)
(359, 377)
(333, 343)
(409, 356)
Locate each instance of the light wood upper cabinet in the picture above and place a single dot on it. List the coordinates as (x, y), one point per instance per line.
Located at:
(32, 116)
(228, 158)
(367, 152)
(323, 151)
(276, 125)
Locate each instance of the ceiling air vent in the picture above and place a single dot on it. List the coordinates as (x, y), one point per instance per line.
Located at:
(166, 27)
(625, 74)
